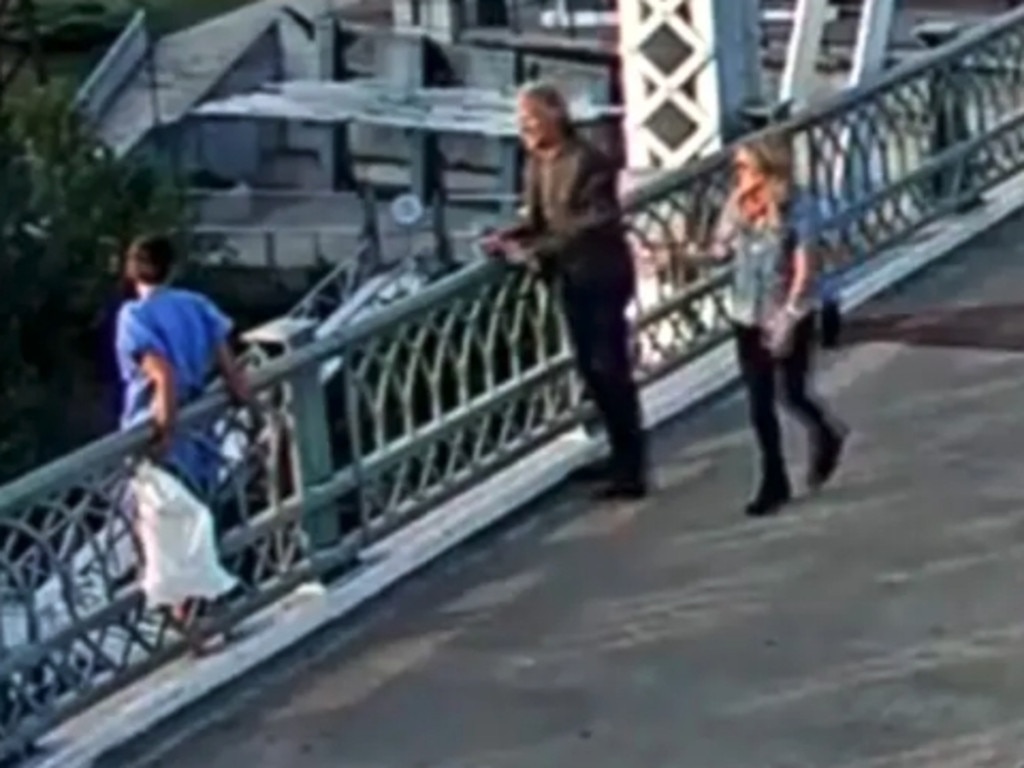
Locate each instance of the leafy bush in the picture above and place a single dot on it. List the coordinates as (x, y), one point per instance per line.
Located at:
(71, 25)
(68, 207)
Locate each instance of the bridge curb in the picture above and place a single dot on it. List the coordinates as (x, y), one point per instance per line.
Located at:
(136, 711)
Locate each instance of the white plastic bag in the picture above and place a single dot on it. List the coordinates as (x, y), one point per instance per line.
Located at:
(178, 542)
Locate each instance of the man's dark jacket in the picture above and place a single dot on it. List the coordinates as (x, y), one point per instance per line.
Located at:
(574, 222)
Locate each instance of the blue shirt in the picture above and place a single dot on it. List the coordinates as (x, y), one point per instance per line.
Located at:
(185, 329)
(759, 253)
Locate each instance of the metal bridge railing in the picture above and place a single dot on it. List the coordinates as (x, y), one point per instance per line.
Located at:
(444, 388)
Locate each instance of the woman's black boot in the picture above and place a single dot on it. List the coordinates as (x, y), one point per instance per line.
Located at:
(770, 498)
(828, 450)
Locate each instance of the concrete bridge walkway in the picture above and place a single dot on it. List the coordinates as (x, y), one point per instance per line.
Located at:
(878, 625)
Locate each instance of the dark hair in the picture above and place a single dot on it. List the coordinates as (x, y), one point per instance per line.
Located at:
(151, 259)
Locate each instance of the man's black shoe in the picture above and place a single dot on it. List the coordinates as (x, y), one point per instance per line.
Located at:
(594, 472)
(623, 490)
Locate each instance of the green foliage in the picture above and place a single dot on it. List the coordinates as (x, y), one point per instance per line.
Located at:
(67, 209)
(71, 24)
(83, 26)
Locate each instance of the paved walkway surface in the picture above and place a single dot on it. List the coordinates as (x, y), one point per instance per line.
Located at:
(880, 624)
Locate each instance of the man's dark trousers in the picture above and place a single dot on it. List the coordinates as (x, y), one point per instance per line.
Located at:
(596, 318)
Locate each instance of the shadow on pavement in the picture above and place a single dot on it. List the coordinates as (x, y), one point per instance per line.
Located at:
(995, 327)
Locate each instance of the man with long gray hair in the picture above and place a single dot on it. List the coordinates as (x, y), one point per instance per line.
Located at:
(572, 232)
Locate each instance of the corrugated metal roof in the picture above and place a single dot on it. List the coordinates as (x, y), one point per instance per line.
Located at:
(376, 102)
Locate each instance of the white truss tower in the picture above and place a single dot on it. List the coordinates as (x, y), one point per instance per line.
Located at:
(689, 68)
(873, 35)
(799, 77)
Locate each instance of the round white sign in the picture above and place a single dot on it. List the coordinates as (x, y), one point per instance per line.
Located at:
(406, 210)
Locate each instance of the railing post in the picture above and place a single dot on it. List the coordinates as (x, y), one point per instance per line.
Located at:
(950, 125)
(306, 405)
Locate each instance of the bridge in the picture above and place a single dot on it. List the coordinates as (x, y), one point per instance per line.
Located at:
(875, 625)
(455, 410)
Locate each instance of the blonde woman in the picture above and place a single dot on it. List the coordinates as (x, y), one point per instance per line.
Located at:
(769, 231)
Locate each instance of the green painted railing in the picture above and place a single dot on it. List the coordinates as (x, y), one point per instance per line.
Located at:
(449, 386)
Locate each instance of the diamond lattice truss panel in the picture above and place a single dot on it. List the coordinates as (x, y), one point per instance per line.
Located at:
(670, 80)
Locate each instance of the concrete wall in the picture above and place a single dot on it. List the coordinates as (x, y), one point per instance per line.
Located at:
(303, 157)
(262, 153)
(235, 150)
(400, 59)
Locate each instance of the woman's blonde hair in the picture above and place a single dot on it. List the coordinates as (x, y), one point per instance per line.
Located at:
(772, 156)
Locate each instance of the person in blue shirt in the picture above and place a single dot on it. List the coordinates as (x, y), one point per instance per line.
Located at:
(169, 344)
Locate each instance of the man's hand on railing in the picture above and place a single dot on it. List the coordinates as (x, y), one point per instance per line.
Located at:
(513, 250)
(493, 244)
(507, 245)
(500, 237)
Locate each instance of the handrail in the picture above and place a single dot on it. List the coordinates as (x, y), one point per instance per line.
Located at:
(106, 449)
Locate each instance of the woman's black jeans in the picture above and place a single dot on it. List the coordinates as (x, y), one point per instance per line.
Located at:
(768, 379)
